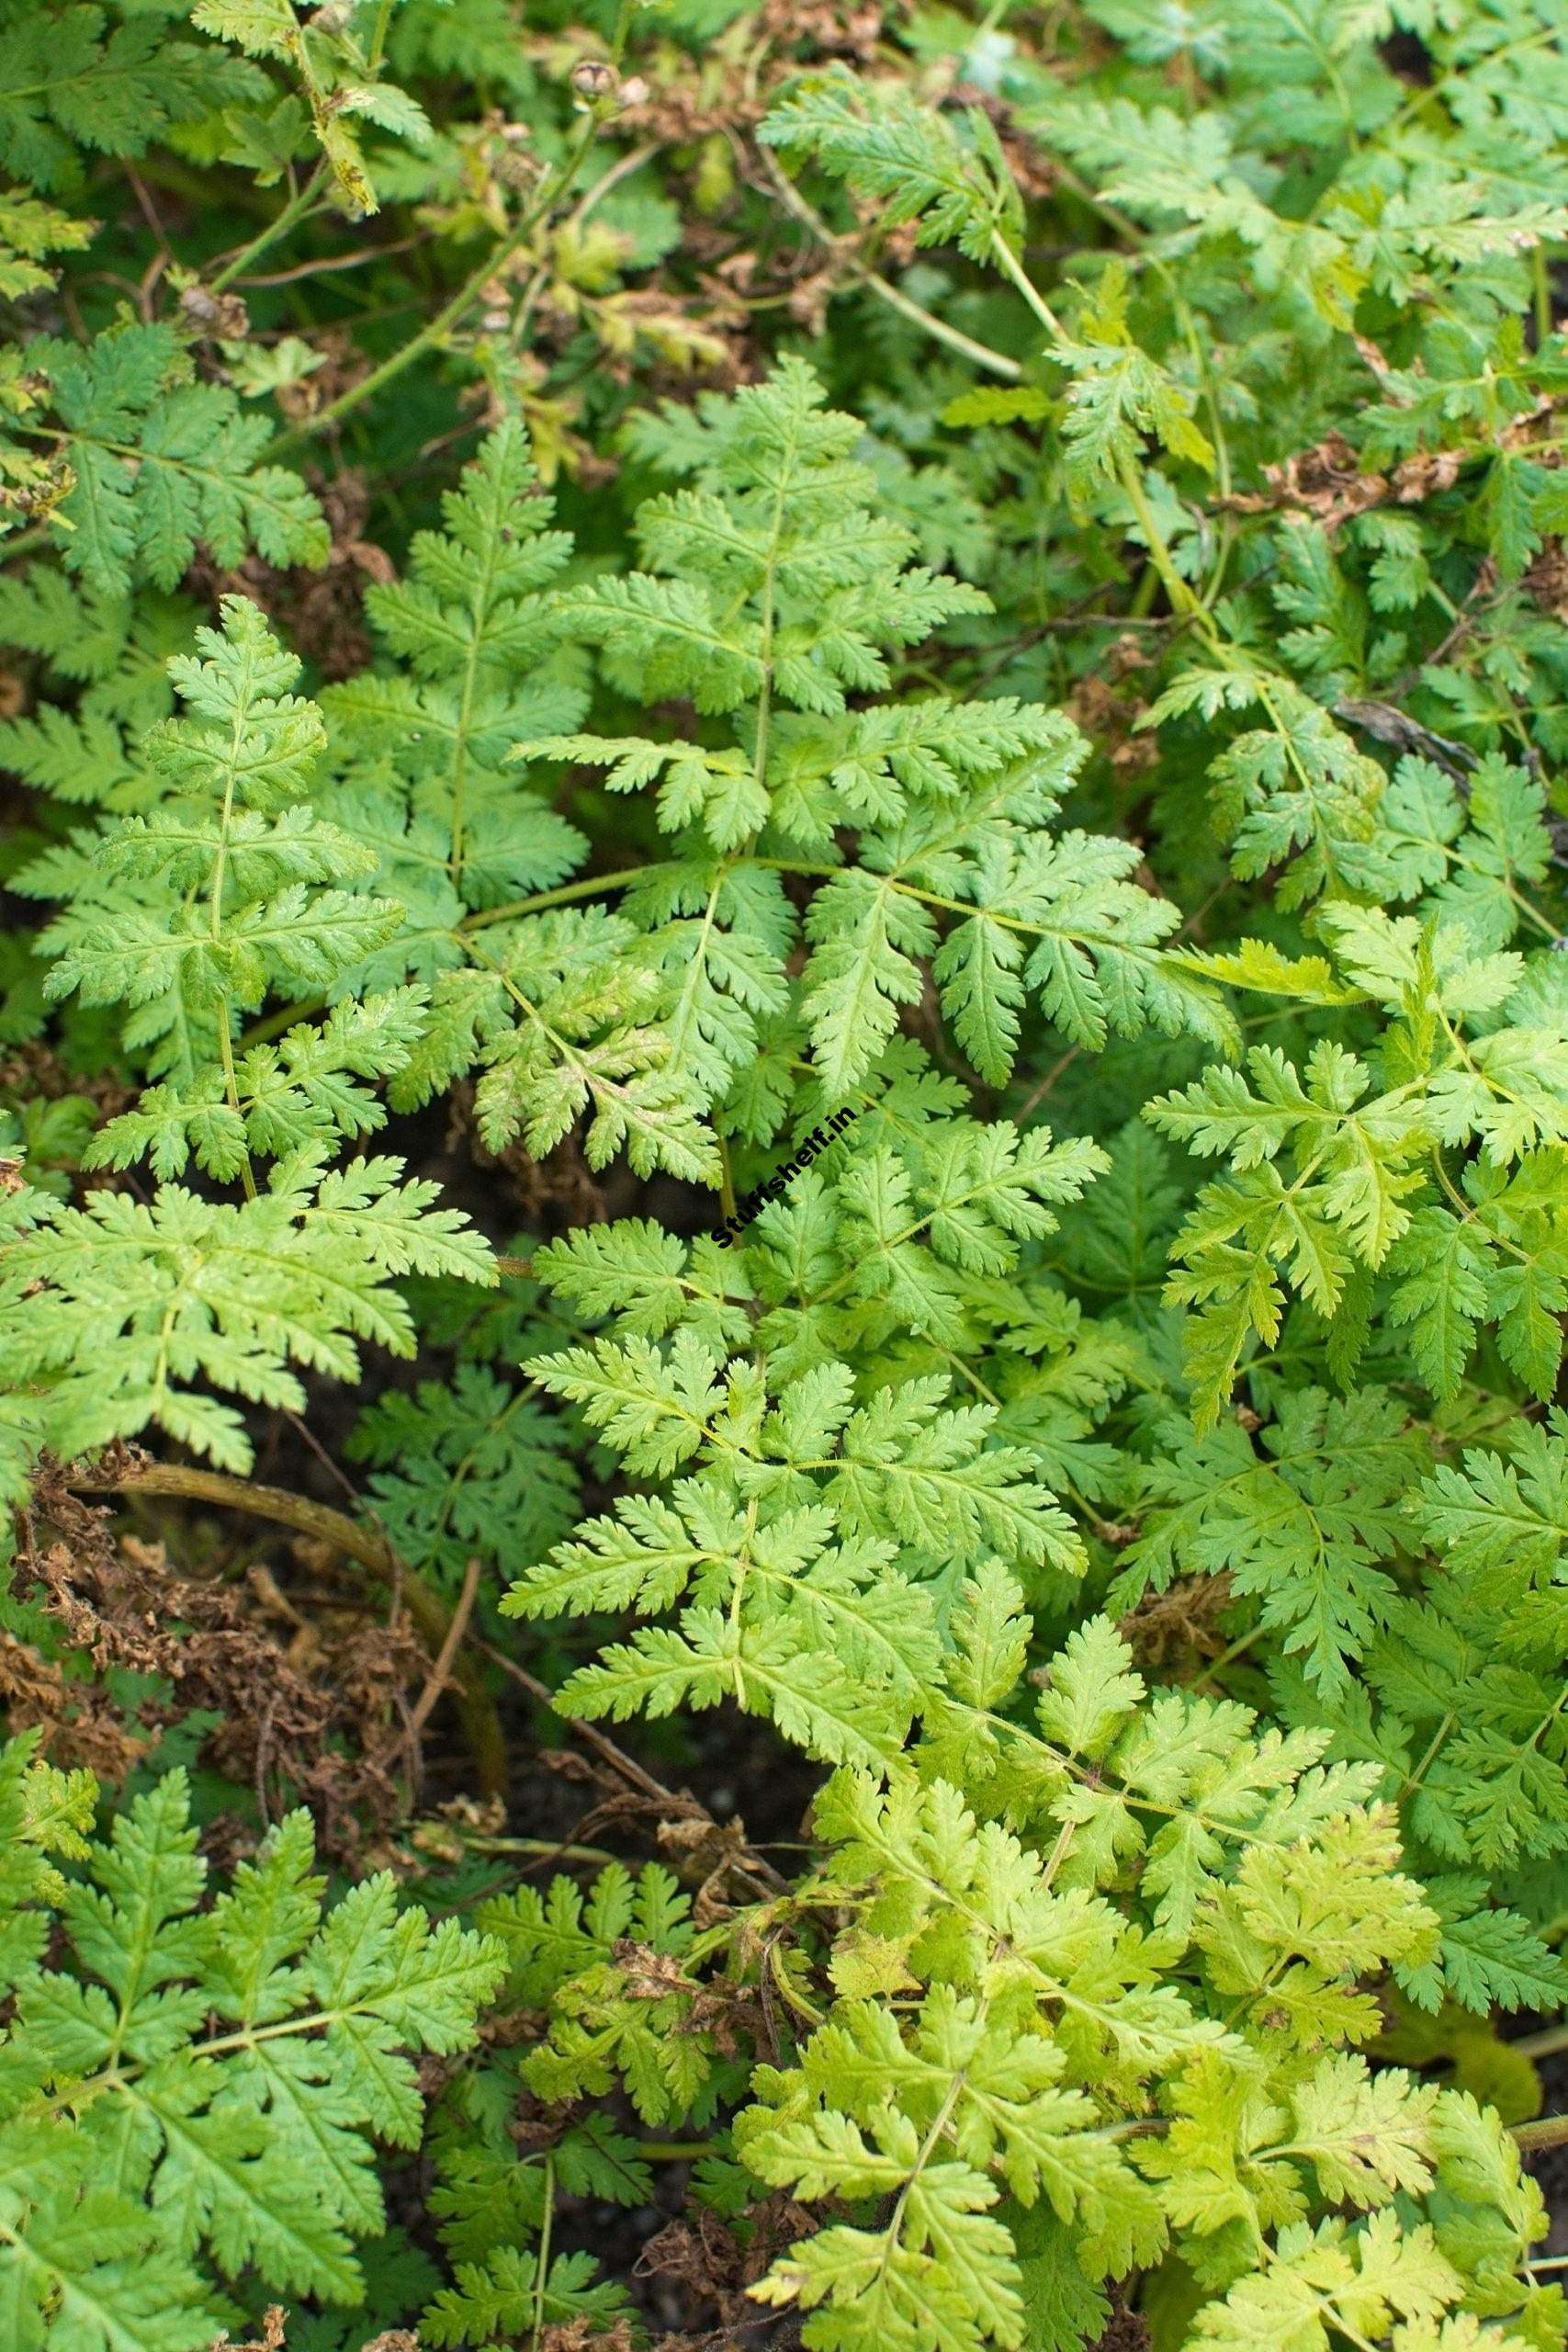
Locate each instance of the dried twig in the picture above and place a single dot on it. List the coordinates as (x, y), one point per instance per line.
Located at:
(442, 1668)
(674, 1805)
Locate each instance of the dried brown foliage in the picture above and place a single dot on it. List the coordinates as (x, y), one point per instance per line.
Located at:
(1546, 579)
(35, 1069)
(271, 2339)
(1179, 1626)
(79, 1722)
(581, 2334)
(314, 1706)
(703, 2257)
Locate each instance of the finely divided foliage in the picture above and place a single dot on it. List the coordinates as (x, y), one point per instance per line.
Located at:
(1077, 681)
(159, 2087)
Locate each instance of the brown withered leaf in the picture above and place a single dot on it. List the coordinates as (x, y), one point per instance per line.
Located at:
(311, 1711)
(652, 1975)
(699, 2254)
(79, 1725)
(779, 2221)
(677, 106)
(215, 318)
(1179, 1625)
(272, 2338)
(649, 1976)
(1388, 724)
(1328, 481)
(708, 1852)
(827, 28)
(35, 1069)
(1125, 2332)
(808, 298)
(1546, 579)
(581, 2334)
(1110, 719)
(1425, 474)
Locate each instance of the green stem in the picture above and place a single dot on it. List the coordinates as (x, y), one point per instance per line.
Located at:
(478, 606)
(1007, 261)
(765, 642)
(1434, 1749)
(378, 38)
(231, 1088)
(542, 2274)
(995, 363)
(37, 534)
(1182, 599)
(841, 249)
(558, 897)
(446, 318)
(215, 932)
(548, 1848)
(291, 214)
(277, 1024)
(1550, 2131)
(1237, 1648)
(890, 2236)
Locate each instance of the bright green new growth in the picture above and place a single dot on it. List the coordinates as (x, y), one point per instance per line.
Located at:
(1094, 2005)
